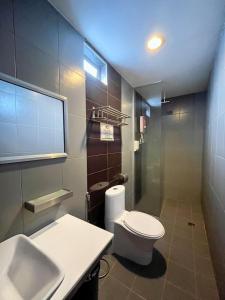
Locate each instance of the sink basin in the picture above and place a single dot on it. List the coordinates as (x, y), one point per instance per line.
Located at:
(26, 272)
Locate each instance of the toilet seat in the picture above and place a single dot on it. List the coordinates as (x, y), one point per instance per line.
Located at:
(143, 224)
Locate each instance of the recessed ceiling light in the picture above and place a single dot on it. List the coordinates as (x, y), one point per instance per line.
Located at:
(155, 42)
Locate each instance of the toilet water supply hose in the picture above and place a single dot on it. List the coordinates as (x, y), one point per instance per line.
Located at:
(107, 269)
(102, 259)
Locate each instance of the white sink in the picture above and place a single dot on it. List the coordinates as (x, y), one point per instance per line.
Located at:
(26, 272)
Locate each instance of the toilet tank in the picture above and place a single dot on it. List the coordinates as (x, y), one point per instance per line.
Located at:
(114, 205)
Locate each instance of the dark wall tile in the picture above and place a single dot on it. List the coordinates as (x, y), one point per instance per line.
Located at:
(171, 107)
(114, 159)
(114, 102)
(37, 22)
(114, 146)
(96, 163)
(96, 199)
(117, 132)
(112, 172)
(96, 215)
(36, 67)
(113, 75)
(7, 52)
(96, 82)
(96, 147)
(182, 104)
(70, 47)
(6, 15)
(114, 89)
(89, 106)
(186, 104)
(97, 177)
(95, 94)
(93, 129)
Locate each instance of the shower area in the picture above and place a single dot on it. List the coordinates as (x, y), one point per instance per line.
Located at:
(148, 158)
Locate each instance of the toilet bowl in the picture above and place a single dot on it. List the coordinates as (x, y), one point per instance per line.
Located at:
(134, 232)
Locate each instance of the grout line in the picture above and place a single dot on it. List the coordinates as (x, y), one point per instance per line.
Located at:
(93, 173)
(194, 256)
(182, 290)
(133, 281)
(169, 252)
(123, 284)
(132, 292)
(130, 288)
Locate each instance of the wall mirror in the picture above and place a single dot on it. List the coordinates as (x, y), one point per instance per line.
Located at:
(32, 122)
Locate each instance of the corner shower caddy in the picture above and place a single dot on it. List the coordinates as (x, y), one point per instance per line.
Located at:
(109, 114)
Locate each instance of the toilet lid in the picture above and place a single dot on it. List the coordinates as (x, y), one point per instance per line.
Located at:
(144, 224)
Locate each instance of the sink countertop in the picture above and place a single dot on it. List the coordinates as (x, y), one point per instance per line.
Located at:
(75, 245)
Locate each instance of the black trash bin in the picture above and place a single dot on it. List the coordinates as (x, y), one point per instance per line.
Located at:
(89, 289)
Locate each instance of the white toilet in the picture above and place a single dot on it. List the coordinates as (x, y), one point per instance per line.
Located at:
(134, 232)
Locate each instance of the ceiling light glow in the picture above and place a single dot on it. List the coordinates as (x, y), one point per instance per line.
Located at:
(155, 42)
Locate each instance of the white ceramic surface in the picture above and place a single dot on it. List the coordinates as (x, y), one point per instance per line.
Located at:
(77, 245)
(144, 224)
(26, 272)
(114, 202)
(134, 232)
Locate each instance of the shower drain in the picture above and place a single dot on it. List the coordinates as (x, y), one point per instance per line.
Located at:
(191, 224)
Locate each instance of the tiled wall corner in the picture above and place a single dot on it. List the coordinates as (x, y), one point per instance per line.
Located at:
(214, 167)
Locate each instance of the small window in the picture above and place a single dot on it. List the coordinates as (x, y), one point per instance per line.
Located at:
(94, 64)
(90, 68)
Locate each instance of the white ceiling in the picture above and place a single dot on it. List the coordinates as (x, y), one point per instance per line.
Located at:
(119, 30)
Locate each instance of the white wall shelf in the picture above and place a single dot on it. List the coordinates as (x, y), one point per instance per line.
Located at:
(42, 203)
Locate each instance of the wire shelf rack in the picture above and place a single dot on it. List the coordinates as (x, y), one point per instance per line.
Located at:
(109, 114)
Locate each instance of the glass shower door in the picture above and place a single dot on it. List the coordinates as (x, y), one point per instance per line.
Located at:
(148, 158)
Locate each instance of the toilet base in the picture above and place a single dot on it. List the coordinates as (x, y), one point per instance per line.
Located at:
(132, 247)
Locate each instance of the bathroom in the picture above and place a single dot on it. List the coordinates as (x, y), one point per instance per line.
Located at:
(112, 149)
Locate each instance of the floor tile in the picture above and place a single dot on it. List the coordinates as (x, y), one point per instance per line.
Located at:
(197, 217)
(163, 247)
(183, 232)
(182, 222)
(167, 238)
(181, 242)
(167, 220)
(202, 249)
(150, 279)
(124, 271)
(150, 288)
(199, 236)
(204, 266)
(181, 277)
(184, 205)
(184, 212)
(206, 288)
(110, 258)
(181, 267)
(133, 296)
(112, 289)
(182, 256)
(172, 292)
